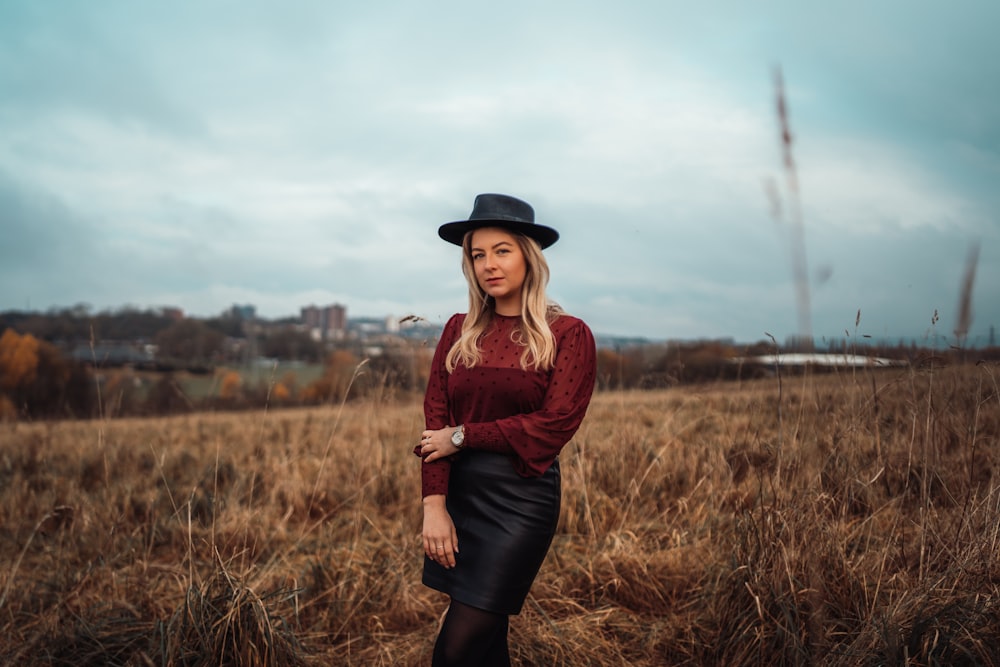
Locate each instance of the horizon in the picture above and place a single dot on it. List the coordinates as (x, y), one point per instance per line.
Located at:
(930, 339)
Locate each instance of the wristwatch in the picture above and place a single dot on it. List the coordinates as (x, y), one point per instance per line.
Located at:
(458, 437)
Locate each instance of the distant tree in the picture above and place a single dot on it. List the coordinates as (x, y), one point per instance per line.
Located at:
(610, 369)
(231, 385)
(23, 322)
(635, 364)
(8, 411)
(79, 398)
(18, 360)
(699, 361)
(76, 324)
(280, 392)
(38, 382)
(67, 324)
(227, 325)
(129, 324)
(166, 397)
(189, 341)
(120, 393)
(290, 382)
(287, 343)
(341, 370)
(398, 367)
(760, 348)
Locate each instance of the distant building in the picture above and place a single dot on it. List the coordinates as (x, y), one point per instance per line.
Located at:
(113, 353)
(820, 359)
(175, 314)
(799, 343)
(325, 323)
(247, 312)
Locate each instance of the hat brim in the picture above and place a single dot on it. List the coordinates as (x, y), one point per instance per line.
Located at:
(454, 232)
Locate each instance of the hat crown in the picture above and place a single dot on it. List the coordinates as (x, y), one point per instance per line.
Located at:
(501, 207)
(493, 210)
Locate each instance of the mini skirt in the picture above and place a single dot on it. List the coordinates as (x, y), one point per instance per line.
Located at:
(505, 524)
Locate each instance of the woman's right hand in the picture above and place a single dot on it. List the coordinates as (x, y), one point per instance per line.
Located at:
(440, 539)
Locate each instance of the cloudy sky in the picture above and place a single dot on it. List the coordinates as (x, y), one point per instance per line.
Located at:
(201, 154)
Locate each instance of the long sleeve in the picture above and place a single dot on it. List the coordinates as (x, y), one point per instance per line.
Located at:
(437, 415)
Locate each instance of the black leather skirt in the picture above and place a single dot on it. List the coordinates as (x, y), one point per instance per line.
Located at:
(505, 525)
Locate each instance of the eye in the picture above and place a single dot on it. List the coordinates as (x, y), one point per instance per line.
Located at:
(478, 255)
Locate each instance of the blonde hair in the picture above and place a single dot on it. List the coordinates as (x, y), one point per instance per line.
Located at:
(536, 312)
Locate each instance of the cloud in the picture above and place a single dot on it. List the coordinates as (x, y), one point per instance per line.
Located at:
(41, 232)
(202, 154)
(869, 188)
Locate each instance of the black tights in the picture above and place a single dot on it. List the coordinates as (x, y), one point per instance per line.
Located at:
(471, 637)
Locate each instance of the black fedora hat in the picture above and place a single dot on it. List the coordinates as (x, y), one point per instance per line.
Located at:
(491, 210)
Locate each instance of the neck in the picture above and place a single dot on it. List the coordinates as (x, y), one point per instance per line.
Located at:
(508, 307)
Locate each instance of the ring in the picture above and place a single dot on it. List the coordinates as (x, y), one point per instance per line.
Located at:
(440, 548)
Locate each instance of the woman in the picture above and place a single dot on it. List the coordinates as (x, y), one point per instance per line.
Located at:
(510, 383)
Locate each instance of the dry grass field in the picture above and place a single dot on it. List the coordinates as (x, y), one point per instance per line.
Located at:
(842, 519)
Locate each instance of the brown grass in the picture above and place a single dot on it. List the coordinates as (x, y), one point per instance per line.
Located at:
(860, 528)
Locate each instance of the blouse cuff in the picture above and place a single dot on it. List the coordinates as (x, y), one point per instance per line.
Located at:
(434, 478)
(487, 437)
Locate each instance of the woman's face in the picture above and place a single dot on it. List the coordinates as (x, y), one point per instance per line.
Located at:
(500, 267)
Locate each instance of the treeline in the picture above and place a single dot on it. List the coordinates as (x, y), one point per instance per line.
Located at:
(79, 324)
(72, 363)
(38, 382)
(59, 364)
(654, 366)
(181, 343)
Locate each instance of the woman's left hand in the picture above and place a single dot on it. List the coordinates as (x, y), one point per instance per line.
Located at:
(436, 445)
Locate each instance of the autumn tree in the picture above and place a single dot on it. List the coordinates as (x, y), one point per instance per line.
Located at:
(280, 393)
(290, 382)
(37, 382)
(610, 369)
(340, 371)
(18, 360)
(231, 385)
(400, 367)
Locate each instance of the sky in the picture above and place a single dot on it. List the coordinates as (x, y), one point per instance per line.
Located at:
(210, 153)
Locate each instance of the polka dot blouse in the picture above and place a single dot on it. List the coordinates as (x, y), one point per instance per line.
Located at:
(528, 415)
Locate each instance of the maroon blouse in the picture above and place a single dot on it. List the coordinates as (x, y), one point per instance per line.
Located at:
(529, 415)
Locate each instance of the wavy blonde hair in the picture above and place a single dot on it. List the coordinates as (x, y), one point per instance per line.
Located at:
(534, 333)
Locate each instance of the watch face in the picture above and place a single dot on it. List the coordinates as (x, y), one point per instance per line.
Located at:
(457, 437)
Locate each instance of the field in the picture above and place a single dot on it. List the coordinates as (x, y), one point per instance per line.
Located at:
(842, 519)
